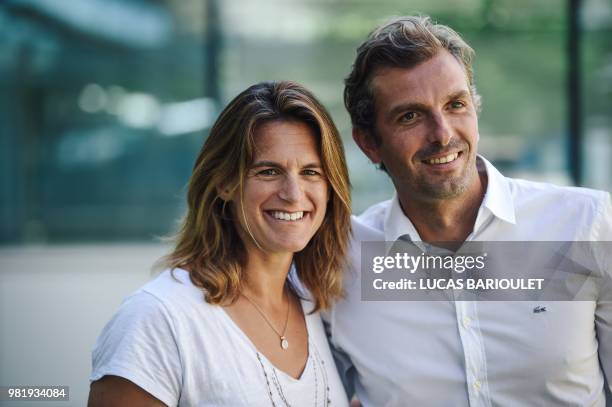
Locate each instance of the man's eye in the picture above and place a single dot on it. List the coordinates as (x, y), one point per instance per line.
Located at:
(457, 104)
(408, 116)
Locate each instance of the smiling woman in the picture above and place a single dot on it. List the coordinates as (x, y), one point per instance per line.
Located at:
(228, 322)
(285, 193)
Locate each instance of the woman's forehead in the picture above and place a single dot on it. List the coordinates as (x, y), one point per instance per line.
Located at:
(285, 140)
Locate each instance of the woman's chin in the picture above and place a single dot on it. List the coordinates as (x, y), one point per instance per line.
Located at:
(289, 247)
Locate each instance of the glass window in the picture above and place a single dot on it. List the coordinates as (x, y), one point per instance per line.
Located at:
(596, 20)
(104, 104)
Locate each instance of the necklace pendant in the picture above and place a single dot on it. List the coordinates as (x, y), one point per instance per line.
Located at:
(284, 343)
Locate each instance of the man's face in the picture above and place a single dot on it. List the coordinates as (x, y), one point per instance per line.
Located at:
(427, 127)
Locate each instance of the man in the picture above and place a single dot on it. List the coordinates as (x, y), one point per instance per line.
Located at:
(413, 105)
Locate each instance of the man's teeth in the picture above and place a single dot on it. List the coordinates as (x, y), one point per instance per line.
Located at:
(288, 216)
(443, 160)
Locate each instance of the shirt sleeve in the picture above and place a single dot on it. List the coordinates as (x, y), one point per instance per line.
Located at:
(603, 312)
(603, 325)
(344, 365)
(139, 344)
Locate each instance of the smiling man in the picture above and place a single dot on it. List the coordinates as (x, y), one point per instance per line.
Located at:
(414, 108)
(425, 134)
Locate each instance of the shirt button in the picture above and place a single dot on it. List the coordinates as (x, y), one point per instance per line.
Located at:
(466, 322)
(477, 384)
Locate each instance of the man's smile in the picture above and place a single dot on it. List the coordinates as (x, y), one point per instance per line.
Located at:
(448, 158)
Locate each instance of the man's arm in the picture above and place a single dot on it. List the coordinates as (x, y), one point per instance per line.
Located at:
(603, 312)
(603, 325)
(115, 391)
(344, 365)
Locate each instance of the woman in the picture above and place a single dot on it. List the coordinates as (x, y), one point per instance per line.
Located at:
(228, 324)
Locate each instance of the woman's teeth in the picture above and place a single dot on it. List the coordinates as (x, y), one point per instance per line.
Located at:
(288, 215)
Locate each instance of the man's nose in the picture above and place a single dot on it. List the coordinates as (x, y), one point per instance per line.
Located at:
(440, 131)
(291, 190)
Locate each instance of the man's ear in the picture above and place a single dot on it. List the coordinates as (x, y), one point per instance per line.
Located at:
(367, 144)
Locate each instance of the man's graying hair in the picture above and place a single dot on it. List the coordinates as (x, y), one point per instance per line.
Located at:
(402, 42)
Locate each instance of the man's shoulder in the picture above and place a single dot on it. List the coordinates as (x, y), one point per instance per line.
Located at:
(530, 192)
(370, 224)
(374, 216)
(563, 212)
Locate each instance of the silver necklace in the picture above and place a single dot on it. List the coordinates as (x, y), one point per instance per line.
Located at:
(318, 366)
(321, 363)
(284, 343)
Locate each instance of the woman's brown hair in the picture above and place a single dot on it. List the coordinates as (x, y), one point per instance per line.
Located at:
(208, 244)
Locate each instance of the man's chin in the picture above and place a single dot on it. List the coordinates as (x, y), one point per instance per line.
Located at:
(446, 190)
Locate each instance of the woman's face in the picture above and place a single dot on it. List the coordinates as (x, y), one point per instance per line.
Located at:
(285, 192)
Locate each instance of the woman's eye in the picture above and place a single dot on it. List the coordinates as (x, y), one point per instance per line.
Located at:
(268, 172)
(312, 173)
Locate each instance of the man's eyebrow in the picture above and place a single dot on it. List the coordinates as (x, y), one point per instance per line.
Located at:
(404, 107)
(460, 94)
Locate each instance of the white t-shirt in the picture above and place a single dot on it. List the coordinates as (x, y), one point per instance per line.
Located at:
(166, 339)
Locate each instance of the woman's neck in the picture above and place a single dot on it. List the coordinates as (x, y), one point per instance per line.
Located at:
(265, 275)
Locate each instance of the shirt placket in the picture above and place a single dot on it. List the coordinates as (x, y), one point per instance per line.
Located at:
(474, 353)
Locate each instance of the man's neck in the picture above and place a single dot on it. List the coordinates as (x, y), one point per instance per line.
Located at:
(446, 220)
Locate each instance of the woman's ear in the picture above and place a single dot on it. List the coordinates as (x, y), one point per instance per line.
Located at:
(224, 192)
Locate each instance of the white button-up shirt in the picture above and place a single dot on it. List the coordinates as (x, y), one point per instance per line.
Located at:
(487, 353)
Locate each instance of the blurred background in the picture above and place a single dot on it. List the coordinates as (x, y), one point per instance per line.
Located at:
(105, 103)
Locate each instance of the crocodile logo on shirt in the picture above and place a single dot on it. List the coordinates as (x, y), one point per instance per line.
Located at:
(539, 309)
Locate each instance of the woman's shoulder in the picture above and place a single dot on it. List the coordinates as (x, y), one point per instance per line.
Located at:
(149, 337)
(166, 302)
(154, 306)
(139, 343)
(173, 286)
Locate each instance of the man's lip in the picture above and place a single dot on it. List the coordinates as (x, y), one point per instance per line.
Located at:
(440, 155)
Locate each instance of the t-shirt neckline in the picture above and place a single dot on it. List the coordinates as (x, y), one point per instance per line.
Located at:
(245, 339)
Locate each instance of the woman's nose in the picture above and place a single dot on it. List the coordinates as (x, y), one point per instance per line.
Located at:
(291, 190)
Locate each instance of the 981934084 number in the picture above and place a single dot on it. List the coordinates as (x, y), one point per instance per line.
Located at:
(51, 393)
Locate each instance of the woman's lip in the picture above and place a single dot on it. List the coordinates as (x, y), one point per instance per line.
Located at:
(269, 212)
(285, 210)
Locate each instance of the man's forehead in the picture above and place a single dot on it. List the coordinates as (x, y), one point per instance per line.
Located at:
(442, 68)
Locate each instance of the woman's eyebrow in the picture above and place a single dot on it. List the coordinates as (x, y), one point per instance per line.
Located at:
(265, 164)
(275, 164)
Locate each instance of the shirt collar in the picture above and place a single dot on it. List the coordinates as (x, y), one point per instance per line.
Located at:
(397, 223)
(498, 200)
